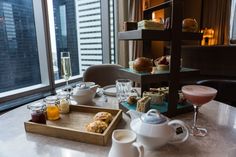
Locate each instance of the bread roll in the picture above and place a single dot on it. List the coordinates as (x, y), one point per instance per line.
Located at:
(189, 25)
(143, 64)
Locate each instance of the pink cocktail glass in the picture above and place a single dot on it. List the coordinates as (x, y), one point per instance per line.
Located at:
(198, 95)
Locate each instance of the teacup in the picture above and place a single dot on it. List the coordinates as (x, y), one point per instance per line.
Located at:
(124, 145)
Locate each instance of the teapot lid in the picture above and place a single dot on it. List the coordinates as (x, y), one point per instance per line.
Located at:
(82, 86)
(153, 116)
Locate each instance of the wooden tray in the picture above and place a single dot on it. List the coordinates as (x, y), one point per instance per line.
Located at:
(72, 126)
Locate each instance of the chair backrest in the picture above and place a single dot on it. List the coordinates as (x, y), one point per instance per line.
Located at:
(103, 74)
(226, 90)
(217, 61)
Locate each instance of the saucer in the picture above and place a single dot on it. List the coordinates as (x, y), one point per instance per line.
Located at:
(110, 90)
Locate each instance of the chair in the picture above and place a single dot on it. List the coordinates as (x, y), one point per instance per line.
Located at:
(103, 74)
(226, 89)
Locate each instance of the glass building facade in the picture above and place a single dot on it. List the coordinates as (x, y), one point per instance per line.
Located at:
(19, 61)
(78, 29)
(66, 34)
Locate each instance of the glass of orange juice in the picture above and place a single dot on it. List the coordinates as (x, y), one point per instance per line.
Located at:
(53, 112)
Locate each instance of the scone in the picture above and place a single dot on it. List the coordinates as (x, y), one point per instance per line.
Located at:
(96, 126)
(103, 116)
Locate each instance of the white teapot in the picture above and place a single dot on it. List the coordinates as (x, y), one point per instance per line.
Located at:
(84, 93)
(155, 130)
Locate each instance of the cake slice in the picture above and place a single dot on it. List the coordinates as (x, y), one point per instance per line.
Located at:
(149, 24)
(143, 104)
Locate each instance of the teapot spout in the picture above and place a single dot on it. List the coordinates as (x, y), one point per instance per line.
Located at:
(134, 114)
(94, 88)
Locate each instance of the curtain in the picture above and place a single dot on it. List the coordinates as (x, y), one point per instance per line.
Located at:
(128, 10)
(135, 12)
(216, 15)
(122, 46)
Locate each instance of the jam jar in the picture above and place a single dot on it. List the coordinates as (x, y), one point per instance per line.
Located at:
(64, 102)
(52, 107)
(37, 113)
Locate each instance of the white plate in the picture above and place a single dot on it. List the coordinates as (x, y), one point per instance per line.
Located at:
(110, 90)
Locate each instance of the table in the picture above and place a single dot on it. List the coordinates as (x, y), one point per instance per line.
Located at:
(219, 118)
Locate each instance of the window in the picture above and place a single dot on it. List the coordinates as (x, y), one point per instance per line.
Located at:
(32, 37)
(77, 28)
(112, 32)
(18, 49)
(23, 58)
(233, 22)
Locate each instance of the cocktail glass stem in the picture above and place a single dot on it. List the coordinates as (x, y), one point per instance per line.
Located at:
(195, 116)
(196, 131)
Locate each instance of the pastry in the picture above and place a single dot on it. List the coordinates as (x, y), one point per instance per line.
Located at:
(189, 25)
(149, 24)
(156, 97)
(182, 99)
(96, 126)
(162, 63)
(143, 64)
(103, 116)
(143, 105)
(132, 100)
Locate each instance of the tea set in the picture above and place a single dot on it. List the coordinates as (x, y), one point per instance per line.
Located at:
(84, 92)
(149, 131)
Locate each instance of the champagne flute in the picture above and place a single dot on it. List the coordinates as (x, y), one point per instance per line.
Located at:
(198, 95)
(66, 68)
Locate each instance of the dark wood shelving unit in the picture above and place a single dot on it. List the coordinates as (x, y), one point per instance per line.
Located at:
(149, 11)
(175, 36)
(163, 35)
(145, 34)
(147, 78)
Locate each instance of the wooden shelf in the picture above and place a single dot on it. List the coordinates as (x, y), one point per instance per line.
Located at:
(153, 78)
(158, 7)
(161, 35)
(163, 108)
(192, 36)
(145, 34)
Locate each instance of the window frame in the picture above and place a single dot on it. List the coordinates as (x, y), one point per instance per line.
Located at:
(44, 41)
(105, 12)
(232, 18)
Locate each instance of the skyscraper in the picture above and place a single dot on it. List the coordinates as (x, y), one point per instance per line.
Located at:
(89, 26)
(66, 33)
(19, 61)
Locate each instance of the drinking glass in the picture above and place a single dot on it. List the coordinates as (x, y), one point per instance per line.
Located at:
(66, 68)
(123, 89)
(198, 95)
